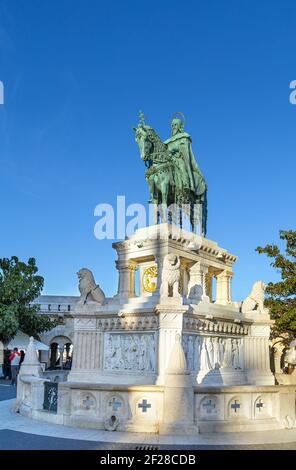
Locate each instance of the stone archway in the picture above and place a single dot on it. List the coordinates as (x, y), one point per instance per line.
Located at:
(60, 353)
(53, 355)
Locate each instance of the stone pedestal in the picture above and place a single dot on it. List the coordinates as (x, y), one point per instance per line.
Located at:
(88, 348)
(170, 323)
(256, 354)
(178, 395)
(127, 363)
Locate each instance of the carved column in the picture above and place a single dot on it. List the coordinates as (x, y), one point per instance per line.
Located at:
(132, 270)
(185, 280)
(204, 269)
(159, 262)
(197, 283)
(126, 281)
(256, 354)
(223, 290)
(209, 286)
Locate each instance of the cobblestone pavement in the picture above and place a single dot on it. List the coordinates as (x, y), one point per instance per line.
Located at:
(13, 439)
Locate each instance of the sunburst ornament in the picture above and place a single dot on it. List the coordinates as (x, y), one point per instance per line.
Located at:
(149, 279)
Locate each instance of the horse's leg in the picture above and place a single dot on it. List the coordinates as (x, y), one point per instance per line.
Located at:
(157, 198)
(151, 189)
(164, 198)
(156, 202)
(155, 211)
(154, 199)
(204, 213)
(158, 210)
(192, 217)
(170, 204)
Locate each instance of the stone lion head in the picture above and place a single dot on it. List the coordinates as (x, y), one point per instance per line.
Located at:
(86, 277)
(258, 290)
(172, 261)
(258, 286)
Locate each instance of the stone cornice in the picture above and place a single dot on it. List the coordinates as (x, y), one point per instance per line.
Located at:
(214, 326)
(128, 322)
(111, 387)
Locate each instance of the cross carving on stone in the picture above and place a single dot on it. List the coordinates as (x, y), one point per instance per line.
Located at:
(235, 406)
(144, 405)
(115, 404)
(88, 403)
(209, 406)
(260, 405)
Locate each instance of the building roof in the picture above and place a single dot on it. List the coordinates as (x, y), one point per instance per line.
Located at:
(21, 341)
(57, 299)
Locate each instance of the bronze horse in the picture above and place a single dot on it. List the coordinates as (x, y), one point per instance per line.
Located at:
(165, 187)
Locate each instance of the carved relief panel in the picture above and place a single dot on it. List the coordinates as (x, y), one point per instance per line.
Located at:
(133, 352)
(205, 353)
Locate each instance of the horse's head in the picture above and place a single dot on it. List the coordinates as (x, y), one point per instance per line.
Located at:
(144, 139)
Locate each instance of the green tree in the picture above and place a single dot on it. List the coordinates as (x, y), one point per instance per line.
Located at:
(19, 286)
(281, 296)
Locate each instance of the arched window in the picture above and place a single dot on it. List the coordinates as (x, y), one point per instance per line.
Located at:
(60, 354)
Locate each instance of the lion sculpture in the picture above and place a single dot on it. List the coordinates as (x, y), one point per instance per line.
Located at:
(170, 278)
(255, 300)
(88, 288)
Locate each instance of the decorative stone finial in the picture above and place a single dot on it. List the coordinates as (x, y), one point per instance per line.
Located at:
(31, 364)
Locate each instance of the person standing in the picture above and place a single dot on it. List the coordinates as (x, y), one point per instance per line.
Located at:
(14, 358)
(6, 365)
(22, 354)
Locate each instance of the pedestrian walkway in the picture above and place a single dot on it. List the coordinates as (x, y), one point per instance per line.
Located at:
(16, 433)
(7, 391)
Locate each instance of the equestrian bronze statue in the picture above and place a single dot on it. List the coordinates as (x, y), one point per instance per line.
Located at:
(173, 175)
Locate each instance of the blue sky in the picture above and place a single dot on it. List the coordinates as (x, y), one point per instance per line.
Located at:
(76, 74)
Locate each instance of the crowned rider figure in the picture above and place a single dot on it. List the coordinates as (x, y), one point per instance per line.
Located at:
(187, 172)
(188, 177)
(173, 175)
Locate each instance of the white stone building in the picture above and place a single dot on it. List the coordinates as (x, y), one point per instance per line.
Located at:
(60, 338)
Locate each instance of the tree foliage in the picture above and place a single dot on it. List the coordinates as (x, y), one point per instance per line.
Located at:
(281, 296)
(19, 287)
